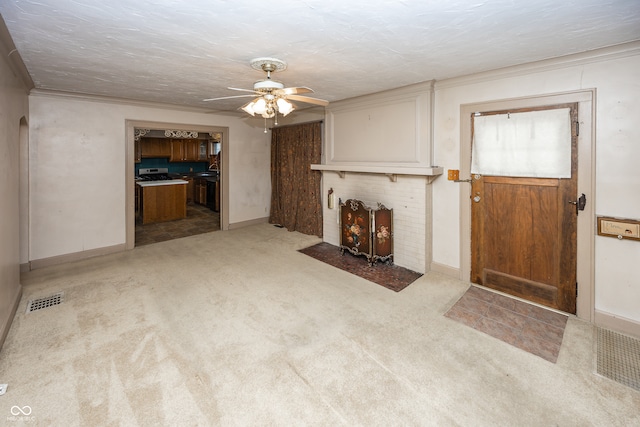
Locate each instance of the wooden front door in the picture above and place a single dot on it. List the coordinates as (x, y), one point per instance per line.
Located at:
(523, 233)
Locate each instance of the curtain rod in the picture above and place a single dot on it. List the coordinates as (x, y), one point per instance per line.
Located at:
(296, 124)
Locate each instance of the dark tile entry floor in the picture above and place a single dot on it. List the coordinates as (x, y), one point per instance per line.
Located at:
(200, 219)
(390, 276)
(526, 326)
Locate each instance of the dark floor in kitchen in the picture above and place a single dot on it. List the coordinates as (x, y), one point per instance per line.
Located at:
(200, 219)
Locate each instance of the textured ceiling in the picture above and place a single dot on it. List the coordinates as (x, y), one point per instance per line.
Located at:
(182, 51)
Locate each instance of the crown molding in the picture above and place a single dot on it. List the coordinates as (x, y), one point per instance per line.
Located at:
(126, 101)
(591, 56)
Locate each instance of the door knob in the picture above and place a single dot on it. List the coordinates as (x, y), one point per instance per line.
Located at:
(580, 203)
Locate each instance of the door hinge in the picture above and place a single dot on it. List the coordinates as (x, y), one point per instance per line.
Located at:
(576, 289)
(577, 128)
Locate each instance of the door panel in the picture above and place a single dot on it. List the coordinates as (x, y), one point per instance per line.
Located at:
(523, 237)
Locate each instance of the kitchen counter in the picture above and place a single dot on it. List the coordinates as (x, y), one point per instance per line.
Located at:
(162, 200)
(156, 183)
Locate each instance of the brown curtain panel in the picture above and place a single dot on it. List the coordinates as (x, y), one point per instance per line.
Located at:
(295, 195)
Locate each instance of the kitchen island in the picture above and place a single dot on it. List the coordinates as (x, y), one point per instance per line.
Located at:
(162, 200)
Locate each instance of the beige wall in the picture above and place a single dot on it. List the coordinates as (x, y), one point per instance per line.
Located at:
(78, 169)
(13, 110)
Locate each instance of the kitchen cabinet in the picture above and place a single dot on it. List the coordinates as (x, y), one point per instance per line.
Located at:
(200, 191)
(213, 195)
(188, 150)
(190, 189)
(162, 201)
(203, 151)
(154, 148)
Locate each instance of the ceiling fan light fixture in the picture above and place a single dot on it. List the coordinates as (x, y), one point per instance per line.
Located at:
(284, 106)
(259, 106)
(248, 108)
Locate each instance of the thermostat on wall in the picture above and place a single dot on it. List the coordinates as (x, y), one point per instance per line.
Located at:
(619, 228)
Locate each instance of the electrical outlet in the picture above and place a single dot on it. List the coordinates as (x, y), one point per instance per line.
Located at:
(453, 174)
(3, 388)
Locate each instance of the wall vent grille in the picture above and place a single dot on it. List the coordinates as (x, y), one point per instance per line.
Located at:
(40, 303)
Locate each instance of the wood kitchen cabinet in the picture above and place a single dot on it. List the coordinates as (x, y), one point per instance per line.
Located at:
(190, 189)
(188, 150)
(200, 191)
(177, 151)
(154, 148)
(162, 202)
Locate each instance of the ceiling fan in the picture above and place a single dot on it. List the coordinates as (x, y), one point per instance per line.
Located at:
(270, 96)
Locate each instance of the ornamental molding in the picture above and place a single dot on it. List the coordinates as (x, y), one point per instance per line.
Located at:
(181, 133)
(139, 133)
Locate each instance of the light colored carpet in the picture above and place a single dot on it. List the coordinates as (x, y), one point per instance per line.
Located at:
(238, 328)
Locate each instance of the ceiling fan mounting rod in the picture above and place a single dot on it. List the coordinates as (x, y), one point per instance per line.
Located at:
(268, 65)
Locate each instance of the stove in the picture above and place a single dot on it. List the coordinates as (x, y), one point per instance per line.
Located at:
(154, 174)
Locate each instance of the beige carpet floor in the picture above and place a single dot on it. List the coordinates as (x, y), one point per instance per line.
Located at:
(238, 328)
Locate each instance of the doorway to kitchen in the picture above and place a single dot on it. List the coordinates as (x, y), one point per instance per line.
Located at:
(176, 181)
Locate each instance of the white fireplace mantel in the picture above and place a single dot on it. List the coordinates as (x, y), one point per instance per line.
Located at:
(430, 172)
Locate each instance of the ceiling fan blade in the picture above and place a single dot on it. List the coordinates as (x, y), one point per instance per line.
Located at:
(294, 90)
(242, 90)
(308, 100)
(228, 97)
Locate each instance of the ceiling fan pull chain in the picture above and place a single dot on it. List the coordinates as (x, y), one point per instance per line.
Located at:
(265, 125)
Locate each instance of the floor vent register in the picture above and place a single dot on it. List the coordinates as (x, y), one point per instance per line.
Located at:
(619, 358)
(40, 303)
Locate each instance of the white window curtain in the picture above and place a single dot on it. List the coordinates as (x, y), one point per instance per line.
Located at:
(529, 144)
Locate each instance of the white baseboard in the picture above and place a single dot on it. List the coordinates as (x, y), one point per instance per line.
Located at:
(242, 224)
(446, 270)
(6, 322)
(77, 256)
(617, 323)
